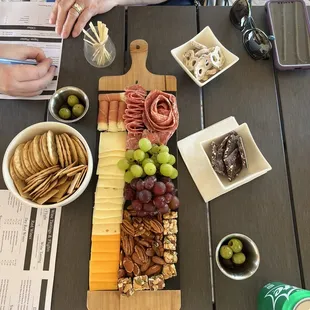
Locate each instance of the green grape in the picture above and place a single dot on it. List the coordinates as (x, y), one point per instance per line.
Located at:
(171, 160)
(129, 155)
(136, 171)
(163, 157)
(174, 173)
(138, 155)
(166, 170)
(147, 155)
(145, 144)
(128, 177)
(146, 161)
(123, 164)
(150, 169)
(163, 148)
(154, 149)
(155, 162)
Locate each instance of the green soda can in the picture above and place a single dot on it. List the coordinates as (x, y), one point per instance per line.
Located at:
(280, 296)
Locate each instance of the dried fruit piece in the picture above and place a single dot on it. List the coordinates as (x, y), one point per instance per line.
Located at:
(169, 271)
(157, 282)
(128, 264)
(158, 260)
(153, 270)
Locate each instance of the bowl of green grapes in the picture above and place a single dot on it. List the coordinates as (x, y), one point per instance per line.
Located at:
(237, 256)
(69, 104)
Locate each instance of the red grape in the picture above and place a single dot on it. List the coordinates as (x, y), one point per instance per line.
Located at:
(164, 209)
(159, 188)
(149, 207)
(174, 203)
(129, 193)
(174, 192)
(165, 179)
(141, 213)
(140, 185)
(145, 196)
(133, 183)
(169, 187)
(159, 201)
(149, 182)
(168, 197)
(153, 213)
(137, 205)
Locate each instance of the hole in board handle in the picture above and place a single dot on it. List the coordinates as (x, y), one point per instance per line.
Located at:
(136, 81)
(137, 47)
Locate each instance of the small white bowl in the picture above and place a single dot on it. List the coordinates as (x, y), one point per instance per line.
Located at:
(29, 133)
(196, 149)
(207, 38)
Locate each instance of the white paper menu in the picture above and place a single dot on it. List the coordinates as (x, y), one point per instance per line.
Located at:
(27, 23)
(28, 247)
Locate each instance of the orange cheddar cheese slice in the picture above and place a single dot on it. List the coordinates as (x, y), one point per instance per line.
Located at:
(105, 246)
(103, 267)
(103, 277)
(102, 286)
(104, 257)
(106, 238)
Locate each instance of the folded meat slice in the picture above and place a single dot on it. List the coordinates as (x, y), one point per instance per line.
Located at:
(103, 115)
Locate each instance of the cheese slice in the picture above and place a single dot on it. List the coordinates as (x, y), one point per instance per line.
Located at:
(103, 286)
(106, 229)
(106, 246)
(109, 161)
(116, 237)
(110, 170)
(108, 206)
(117, 200)
(111, 183)
(100, 214)
(112, 154)
(108, 177)
(102, 267)
(103, 277)
(112, 141)
(112, 220)
(102, 192)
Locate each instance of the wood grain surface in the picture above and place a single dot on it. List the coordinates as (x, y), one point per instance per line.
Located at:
(165, 28)
(294, 94)
(71, 275)
(260, 209)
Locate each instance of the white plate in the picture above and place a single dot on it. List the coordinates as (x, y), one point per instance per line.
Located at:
(29, 133)
(207, 38)
(196, 150)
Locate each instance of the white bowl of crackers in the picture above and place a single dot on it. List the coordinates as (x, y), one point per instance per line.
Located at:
(47, 165)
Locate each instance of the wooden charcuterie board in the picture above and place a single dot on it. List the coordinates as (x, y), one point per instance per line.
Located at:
(170, 298)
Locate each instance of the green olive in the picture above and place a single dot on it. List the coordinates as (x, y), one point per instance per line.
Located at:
(238, 258)
(236, 245)
(64, 113)
(78, 110)
(73, 100)
(226, 252)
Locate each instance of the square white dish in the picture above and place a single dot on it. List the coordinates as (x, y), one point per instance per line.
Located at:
(207, 38)
(196, 151)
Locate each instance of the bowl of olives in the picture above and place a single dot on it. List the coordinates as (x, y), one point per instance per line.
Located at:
(237, 256)
(69, 104)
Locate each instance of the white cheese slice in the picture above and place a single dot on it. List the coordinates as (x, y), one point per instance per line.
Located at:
(112, 220)
(117, 200)
(110, 170)
(105, 214)
(102, 192)
(112, 154)
(109, 161)
(108, 206)
(106, 229)
(111, 183)
(112, 141)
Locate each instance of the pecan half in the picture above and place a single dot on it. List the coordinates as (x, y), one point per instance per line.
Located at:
(138, 220)
(150, 252)
(159, 237)
(160, 217)
(146, 223)
(158, 260)
(143, 242)
(141, 253)
(158, 248)
(139, 232)
(156, 227)
(146, 265)
(128, 228)
(148, 235)
(136, 259)
(121, 257)
(153, 270)
(136, 270)
(127, 215)
(128, 264)
(121, 273)
(128, 245)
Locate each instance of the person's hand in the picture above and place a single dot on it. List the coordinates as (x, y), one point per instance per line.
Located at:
(67, 18)
(24, 80)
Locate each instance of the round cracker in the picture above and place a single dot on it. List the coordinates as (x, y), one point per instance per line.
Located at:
(81, 145)
(59, 152)
(27, 172)
(45, 150)
(52, 147)
(19, 184)
(64, 152)
(26, 159)
(46, 162)
(17, 162)
(31, 158)
(81, 155)
(73, 152)
(66, 145)
(36, 152)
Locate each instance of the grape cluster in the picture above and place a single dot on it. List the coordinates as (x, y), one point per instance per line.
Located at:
(151, 195)
(148, 160)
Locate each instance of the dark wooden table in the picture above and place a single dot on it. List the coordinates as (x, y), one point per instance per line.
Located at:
(273, 209)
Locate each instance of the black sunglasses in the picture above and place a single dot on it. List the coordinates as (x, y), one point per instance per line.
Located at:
(256, 42)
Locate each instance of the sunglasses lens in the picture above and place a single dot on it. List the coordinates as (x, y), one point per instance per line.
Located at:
(239, 13)
(257, 44)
